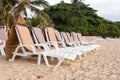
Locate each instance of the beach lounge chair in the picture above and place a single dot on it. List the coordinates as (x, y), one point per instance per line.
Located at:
(51, 37)
(66, 39)
(76, 46)
(74, 40)
(77, 37)
(28, 48)
(71, 39)
(78, 50)
(84, 40)
(39, 38)
(2, 45)
(68, 52)
(3, 38)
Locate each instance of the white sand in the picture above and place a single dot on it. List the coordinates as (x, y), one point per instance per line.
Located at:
(104, 65)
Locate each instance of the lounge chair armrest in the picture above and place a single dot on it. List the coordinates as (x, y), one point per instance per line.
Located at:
(60, 42)
(20, 46)
(54, 44)
(40, 45)
(45, 46)
(49, 43)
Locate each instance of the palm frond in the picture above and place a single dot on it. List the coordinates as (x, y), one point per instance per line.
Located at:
(41, 3)
(43, 15)
(1, 6)
(18, 8)
(25, 12)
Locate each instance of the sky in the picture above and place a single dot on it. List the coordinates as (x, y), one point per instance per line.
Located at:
(109, 9)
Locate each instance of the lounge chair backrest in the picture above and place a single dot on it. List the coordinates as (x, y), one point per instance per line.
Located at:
(65, 37)
(24, 37)
(39, 35)
(51, 34)
(69, 37)
(3, 34)
(58, 36)
(74, 35)
(80, 37)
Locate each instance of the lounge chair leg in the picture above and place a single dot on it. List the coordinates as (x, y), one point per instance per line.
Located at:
(85, 54)
(60, 61)
(80, 57)
(39, 59)
(12, 59)
(46, 60)
(2, 52)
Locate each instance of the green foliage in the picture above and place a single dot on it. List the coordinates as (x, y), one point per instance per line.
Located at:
(11, 9)
(35, 21)
(79, 17)
(5, 17)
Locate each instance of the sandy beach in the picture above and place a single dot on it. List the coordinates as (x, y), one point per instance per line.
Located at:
(104, 64)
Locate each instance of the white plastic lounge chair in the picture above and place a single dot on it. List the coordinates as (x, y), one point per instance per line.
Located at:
(66, 39)
(79, 50)
(78, 39)
(29, 48)
(75, 38)
(39, 38)
(84, 40)
(38, 35)
(74, 41)
(2, 46)
(71, 39)
(3, 38)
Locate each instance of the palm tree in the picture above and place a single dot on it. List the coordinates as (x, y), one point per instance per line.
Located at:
(11, 9)
(5, 7)
(21, 7)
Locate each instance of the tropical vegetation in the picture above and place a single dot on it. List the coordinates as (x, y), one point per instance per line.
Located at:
(75, 16)
(79, 17)
(12, 9)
